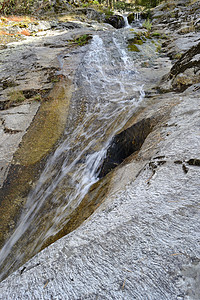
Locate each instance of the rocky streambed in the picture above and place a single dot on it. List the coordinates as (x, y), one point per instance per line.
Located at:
(142, 242)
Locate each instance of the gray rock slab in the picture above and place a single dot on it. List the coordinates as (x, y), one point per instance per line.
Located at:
(19, 119)
(185, 42)
(14, 123)
(143, 242)
(27, 65)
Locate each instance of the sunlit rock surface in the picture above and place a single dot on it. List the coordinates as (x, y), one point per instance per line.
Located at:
(143, 243)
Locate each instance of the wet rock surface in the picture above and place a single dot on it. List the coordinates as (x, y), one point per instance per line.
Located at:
(32, 91)
(29, 70)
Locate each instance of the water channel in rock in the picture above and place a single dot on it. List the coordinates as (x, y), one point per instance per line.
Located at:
(107, 90)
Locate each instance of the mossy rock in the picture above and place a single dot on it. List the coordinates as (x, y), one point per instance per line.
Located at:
(156, 34)
(136, 41)
(131, 18)
(116, 21)
(133, 48)
(178, 55)
(16, 97)
(158, 48)
(143, 35)
(148, 35)
(81, 40)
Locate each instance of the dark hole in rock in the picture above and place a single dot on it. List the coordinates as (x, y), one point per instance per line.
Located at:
(194, 162)
(126, 143)
(178, 162)
(185, 169)
(159, 157)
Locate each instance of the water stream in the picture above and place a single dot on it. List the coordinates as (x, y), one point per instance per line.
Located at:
(127, 25)
(107, 91)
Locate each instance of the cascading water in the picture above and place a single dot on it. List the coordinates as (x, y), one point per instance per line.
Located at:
(105, 97)
(137, 16)
(126, 22)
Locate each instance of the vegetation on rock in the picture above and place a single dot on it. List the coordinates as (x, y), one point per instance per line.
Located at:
(16, 6)
(81, 40)
(31, 6)
(147, 24)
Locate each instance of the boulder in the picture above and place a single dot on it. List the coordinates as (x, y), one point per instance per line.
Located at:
(131, 18)
(116, 21)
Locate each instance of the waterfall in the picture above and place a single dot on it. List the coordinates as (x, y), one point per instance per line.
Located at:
(126, 22)
(106, 87)
(137, 16)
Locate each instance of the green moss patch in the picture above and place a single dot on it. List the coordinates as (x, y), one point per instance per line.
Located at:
(16, 97)
(136, 40)
(81, 40)
(133, 47)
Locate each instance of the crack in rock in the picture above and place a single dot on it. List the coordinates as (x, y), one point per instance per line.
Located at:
(9, 130)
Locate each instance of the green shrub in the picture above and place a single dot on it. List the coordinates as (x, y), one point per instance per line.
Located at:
(81, 40)
(147, 24)
(95, 2)
(121, 5)
(148, 3)
(15, 6)
(156, 34)
(108, 12)
(37, 97)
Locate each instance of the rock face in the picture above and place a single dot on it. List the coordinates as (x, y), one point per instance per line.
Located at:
(180, 16)
(143, 241)
(183, 45)
(14, 123)
(38, 6)
(131, 18)
(33, 91)
(186, 71)
(180, 22)
(27, 83)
